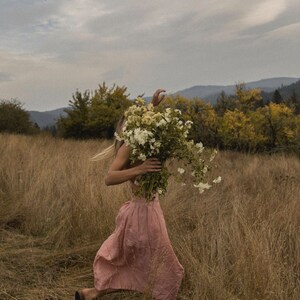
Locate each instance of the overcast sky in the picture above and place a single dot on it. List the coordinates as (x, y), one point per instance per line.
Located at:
(48, 48)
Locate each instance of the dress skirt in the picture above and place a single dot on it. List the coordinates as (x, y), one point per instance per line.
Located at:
(138, 255)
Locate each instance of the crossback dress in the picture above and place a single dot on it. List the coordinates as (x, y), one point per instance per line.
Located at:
(138, 255)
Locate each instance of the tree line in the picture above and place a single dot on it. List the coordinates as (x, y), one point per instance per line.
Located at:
(242, 122)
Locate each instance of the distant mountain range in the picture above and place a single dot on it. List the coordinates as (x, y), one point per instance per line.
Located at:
(285, 91)
(210, 93)
(47, 118)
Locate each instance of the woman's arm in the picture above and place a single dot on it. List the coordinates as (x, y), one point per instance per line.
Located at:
(157, 98)
(115, 173)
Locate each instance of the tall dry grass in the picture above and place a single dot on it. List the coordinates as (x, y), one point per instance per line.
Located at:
(238, 240)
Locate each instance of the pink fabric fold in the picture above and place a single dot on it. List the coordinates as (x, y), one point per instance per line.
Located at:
(138, 255)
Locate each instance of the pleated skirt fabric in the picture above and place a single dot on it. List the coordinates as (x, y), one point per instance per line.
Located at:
(138, 255)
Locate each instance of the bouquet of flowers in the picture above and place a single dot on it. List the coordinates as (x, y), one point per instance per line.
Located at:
(164, 135)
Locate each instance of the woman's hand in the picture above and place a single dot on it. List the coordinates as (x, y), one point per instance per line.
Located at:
(150, 165)
(157, 98)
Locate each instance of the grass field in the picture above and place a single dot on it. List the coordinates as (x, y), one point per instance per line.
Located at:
(238, 240)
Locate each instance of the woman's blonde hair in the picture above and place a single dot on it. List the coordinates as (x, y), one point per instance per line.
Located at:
(111, 150)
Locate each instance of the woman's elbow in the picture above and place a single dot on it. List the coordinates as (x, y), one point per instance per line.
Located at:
(107, 180)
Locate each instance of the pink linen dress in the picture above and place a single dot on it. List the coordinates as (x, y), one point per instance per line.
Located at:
(138, 255)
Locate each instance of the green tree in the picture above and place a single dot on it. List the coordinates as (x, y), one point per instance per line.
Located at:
(277, 98)
(74, 125)
(201, 113)
(205, 124)
(107, 106)
(224, 103)
(293, 102)
(15, 119)
(94, 114)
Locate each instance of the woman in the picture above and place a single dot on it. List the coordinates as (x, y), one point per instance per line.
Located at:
(138, 255)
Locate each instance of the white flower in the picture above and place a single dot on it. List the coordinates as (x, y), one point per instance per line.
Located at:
(205, 169)
(141, 136)
(142, 157)
(213, 155)
(217, 180)
(117, 137)
(159, 191)
(200, 146)
(150, 106)
(162, 122)
(178, 111)
(157, 144)
(181, 170)
(139, 101)
(201, 186)
(188, 124)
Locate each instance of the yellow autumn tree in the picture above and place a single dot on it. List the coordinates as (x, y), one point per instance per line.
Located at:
(237, 131)
(201, 113)
(247, 100)
(279, 125)
(205, 122)
(257, 118)
(179, 102)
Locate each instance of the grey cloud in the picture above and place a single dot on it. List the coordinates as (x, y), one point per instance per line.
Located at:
(144, 44)
(23, 16)
(288, 17)
(5, 77)
(115, 74)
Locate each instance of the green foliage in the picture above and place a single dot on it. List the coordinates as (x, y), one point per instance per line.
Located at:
(107, 106)
(50, 130)
(94, 115)
(201, 113)
(240, 121)
(224, 103)
(74, 125)
(293, 102)
(277, 98)
(14, 119)
(205, 124)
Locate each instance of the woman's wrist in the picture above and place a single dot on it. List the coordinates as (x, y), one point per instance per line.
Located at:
(138, 170)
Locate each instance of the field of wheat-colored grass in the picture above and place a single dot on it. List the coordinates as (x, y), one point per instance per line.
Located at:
(238, 240)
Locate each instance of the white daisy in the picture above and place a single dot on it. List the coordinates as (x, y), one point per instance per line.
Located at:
(181, 170)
